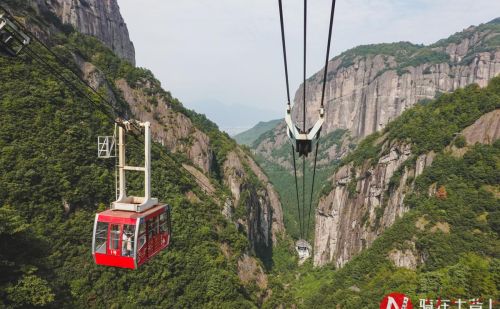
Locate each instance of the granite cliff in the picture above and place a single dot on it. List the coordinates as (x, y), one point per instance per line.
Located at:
(366, 195)
(101, 19)
(368, 86)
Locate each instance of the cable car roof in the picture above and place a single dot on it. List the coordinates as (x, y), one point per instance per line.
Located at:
(113, 215)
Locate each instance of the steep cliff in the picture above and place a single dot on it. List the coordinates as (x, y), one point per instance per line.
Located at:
(367, 87)
(255, 203)
(220, 161)
(370, 85)
(99, 18)
(367, 193)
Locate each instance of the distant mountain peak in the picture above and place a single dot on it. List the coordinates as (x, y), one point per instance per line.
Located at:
(495, 21)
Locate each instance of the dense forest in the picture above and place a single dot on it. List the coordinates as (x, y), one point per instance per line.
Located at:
(454, 231)
(52, 184)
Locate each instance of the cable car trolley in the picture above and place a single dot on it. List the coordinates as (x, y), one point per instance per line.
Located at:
(12, 38)
(303, 138)
(135, 229)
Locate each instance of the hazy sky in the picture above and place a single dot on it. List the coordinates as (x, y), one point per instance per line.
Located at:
(223, 57)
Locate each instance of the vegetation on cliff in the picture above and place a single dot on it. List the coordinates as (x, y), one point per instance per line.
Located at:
(52, 184)
(451, 230)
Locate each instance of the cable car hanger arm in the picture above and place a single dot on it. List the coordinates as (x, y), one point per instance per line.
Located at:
(296, 134)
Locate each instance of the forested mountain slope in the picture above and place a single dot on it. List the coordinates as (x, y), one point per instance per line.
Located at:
(251, 135)
(367, 193)
(225, 212)
(414, 209)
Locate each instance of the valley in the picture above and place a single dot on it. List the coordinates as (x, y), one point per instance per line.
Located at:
(406, 195)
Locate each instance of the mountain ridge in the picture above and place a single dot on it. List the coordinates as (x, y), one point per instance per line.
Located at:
(251, 135)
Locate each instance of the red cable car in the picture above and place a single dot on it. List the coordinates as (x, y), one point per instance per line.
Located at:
(135, 228)
(127, 239)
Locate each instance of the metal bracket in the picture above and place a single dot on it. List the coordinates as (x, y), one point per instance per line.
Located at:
(106, 147)
(303, 139)
(134, 203)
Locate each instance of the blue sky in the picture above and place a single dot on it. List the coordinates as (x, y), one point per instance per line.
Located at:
(223, 57)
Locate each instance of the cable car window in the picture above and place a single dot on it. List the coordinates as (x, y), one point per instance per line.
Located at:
(128, 240)
(142, 228)
(115, 237)
(142, 235)
(163, 223)
(153, 227)
(101, 235)
(157, 225)
(142, 241)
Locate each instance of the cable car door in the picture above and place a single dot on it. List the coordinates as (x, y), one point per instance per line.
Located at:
(154, 237)
(114, 243)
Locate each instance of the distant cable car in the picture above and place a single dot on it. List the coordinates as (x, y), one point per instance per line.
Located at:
(135, 229)
(12, 39)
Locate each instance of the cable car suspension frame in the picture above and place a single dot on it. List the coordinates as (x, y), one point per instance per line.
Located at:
(302, 138)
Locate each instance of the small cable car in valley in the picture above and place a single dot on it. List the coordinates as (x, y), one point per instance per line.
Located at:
(135, 229)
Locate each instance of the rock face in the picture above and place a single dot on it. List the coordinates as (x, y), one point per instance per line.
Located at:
(485, 130)
(366, 200)
(263, 218)
(369, 86)
(99, 18)
(370, 90)
(172, 129)
(256, 204)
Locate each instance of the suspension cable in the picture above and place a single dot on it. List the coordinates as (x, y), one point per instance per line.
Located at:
(62, 62)
(32, 54)
(297, 190)
(332, 14)
(305, 68)
(303, 194)
(312, 187)
(284, 51)
(59, 75)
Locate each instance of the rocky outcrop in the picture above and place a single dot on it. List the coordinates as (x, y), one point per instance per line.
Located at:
(172, 129)
(366, 200)
(404, 258)
(249, 271)
(485, 130)
(364, 96)
(98, 18)
(369, 86)
(255, 202)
